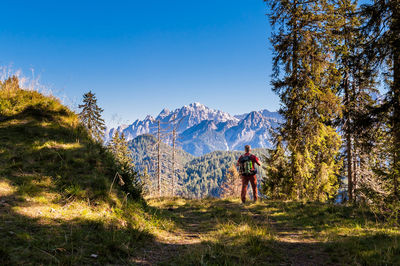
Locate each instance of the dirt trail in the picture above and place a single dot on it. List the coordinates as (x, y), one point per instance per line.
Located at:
(297, 244)
(170, 244)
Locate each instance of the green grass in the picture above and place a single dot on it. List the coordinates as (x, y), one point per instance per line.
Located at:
(55, 205)
(55, 208)
(349, 235)
(277, 233)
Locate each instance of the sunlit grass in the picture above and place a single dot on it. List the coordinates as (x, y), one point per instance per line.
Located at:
(5, 188)
(229, 233)
(58, 145)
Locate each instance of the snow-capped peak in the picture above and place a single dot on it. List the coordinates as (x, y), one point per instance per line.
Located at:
(202, 129)
(196, 104)
(149, 117)
(165, 112)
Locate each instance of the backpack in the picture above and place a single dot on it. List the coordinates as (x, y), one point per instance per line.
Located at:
(246, 166)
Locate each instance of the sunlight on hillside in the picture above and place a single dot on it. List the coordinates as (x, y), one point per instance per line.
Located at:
(57, 145)
(39, 208)
(6, 189)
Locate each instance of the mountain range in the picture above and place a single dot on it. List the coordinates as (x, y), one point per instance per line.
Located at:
(201, 130)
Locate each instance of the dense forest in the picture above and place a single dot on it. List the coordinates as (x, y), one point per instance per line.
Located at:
(337, 73)
(203, 176)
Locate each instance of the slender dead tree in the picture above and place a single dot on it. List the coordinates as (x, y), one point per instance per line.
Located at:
(159, 158)
(173, 158)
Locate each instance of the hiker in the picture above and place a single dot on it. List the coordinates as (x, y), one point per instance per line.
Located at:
(248, 172)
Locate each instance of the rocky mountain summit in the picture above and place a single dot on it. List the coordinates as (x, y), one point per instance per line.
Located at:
(201, 130)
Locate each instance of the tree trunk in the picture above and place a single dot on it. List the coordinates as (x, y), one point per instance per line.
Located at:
(347, 129)
(396, 95)
(295, 122)
(173, 160)
(355, 171)
(349, 166)
(159, 160)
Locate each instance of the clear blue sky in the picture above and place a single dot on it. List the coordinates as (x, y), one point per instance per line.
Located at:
(141, 56)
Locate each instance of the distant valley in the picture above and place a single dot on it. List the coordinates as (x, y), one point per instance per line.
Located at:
(195, 177)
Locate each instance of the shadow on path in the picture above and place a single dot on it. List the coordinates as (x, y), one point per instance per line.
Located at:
(293, 235)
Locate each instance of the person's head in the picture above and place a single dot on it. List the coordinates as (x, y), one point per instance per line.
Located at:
(247, 148)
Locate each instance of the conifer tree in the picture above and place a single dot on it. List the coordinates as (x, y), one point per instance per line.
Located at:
(231, 186)
(307, 88)
(119, 147)
(357, 86)
(383, 25)
(146, 182)
(90, 116)
(277, 183)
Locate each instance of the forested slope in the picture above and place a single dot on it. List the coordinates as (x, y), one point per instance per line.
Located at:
(204, 175)
(197, 177)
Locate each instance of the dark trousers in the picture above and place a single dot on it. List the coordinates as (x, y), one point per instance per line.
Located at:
(245, 183)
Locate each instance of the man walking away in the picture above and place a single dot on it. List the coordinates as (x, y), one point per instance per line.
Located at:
(248, 172)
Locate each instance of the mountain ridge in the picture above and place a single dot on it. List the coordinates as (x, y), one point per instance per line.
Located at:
(201, 129)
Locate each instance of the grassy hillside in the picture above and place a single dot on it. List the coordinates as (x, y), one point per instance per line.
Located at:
(56, 201)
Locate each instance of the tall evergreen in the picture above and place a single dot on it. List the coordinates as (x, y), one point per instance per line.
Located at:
(277, 183)
(307, 89)
(146, 182)
(231, 186)
(119, 147)
(384, 27)
(357, 86)
(91, 116)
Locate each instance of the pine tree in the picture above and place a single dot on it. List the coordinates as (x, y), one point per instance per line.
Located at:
(146, 182)
(119, 148)
(383, 25)
(90, 116)
(307, 88)
(357, 87)
(231, 186)
(277, 183)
